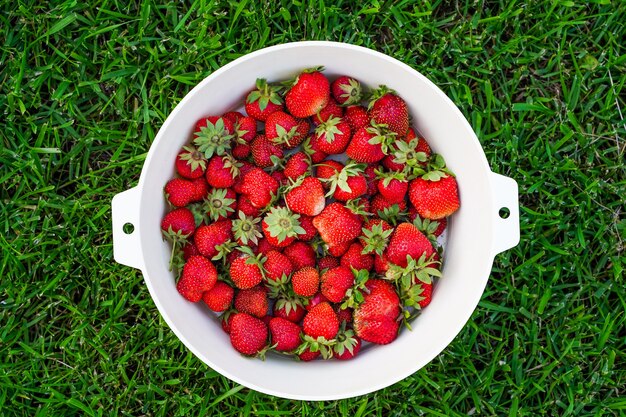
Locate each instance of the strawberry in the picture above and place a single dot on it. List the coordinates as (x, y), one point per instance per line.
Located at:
(241, 151)
(347, 347)
(434, 199)
(243, 170)
(252, 301)
(300, 254)
(407, 240)
(290, 309)
(392, 186)
(379, 204)
(259, 187)
(199, 275)
(180, 192)
(178, 223)
(302, 131)
(357, 117)
(209, 239)
(381, 264)
(220, 297)
(321, 321)
(190, 163)
(308, 355)
(213, 136)
(246, 270)
(246, 230)
(276, 265)
(375, 238)
(331, 109)
(305, 281)
(372, 181)
(220, 204)
(389, 109)
(327, 170)
(265, 246)
(306, 222)
(337, 250)
(248, 335)
(315, 300)
(430, 228)
(285, 334)
(190, 250)
(336, 224)
(335, 283)
(366, 145)
(327, 262)
(346, 90)
(344, 314)
(200, 189)
(263, 101)
(281, 226)
(349, 183)
(354, 258)
(309, 93)
(233, 116)
(426, 294)
(306, 196)
(265, 153)
(407, 153)
(281, 128)
(375, 319)
(245, 128)
(298, 165)
(311, 148)
(280, 178)
(222, 171)
(333, 135)
(245, 206)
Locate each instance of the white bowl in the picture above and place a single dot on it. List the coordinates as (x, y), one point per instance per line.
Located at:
(476, 232)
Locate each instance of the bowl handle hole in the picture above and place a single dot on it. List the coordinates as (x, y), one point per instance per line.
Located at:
(504, 213)
(128, 228)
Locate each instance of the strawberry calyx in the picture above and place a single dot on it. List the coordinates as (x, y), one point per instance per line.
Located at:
(329, 129)
(434, 170)
(223, 250)
(178, 240)
(352, 92)
(392, 215)
(406, 153)
(247, 229)
(428, 227)
(216, 205)
(340, 178)
(387, 177)
(345, 340)
(213, 139)
(199, 212)
(321, 344)
(375, 239)
(357, 206)
(282, 223)
(382, 136)
(355, 295)
(378, 93)
(284, 135)
(195, 159)
(264, 94)
(417, 270)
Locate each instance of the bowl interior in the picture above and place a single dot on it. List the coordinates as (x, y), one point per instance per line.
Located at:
(468, 252)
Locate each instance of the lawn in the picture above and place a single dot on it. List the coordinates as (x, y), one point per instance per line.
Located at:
(85, 87)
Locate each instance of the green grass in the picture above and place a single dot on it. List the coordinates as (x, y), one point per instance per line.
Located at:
(85, 87)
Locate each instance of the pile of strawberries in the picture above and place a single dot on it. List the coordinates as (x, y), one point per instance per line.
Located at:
(311, 223)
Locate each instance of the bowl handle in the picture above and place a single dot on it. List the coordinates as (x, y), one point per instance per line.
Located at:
(505, 212)
(126, 234)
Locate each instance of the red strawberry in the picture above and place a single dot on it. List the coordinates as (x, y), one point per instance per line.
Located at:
(381, 264)
(372, 181)
(280, 178)
(220, 297)
(311, 148)
(307, 355)
(190, 250)
(375, 238)
(380, 203)
(434, 199)
(245, 127)
(331, 109)
(344, 314)
(300, 254)
(245, 206)
(220, 203)
(405, 241)
(243, 170)
(335, 283)
(285, 334)
(179, 222)
(276, 265)
(315, 300)
(375, 320)
(190, 163)
(263, 101)
(248, 335)
(199, 275)
(299, 164)
(259, 187)
(366, 145)
(327, 262)
(281, 226)
(306, 222)
(213, 135)
(328, 169)
(305, 281)
(393, 187)
(180, 192)
(233, 116)
(348, 184)
(337, 224)
(306, 197)
(252, 301)
(280, 128)
(389, 109)
(222, 171)
(346, 90)
(333, 136)
(292, 311)
(201, 189)
(208, 239)
(347, 347)
(225, 320)
(265, 246)
(241, 151)
(265, 152)
(427, 294)
(357, 117)
(302, 131)
(339, 249)
(354, 258)
(321, 321)
(245, 271)
(309, 94)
